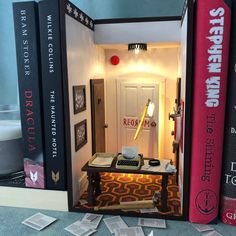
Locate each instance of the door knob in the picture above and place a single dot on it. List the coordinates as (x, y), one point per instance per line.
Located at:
(105, 126)
(153, 124)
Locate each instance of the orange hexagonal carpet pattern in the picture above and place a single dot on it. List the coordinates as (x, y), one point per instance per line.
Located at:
(119, 187)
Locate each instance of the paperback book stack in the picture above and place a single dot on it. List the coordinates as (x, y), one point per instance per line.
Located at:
(38, 46)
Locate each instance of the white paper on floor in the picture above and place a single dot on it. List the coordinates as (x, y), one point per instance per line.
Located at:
(149, 210)
(131, 231)
(115, 222)
(78, 229)
(213, 233)
(83, 202)
(157, 223)
(202, 228)
(151, 233)
(39, 221)
(91, 220)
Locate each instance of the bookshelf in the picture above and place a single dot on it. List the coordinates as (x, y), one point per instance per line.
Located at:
(33, 198)
(166, 29)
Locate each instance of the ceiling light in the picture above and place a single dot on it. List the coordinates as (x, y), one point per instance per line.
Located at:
(137, 47)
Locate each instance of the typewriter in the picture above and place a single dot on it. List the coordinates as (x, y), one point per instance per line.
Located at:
(128, 163)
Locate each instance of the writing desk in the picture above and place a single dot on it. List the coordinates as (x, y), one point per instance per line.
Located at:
(93, 174)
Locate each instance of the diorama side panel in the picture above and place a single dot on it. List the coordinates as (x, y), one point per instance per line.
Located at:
(85, 61)
(183, 64)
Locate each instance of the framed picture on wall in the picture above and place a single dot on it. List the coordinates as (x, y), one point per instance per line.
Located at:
(80, 134)
(79, 98)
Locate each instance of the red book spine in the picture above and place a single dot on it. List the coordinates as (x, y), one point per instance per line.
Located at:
(228, 184)
(212, 33)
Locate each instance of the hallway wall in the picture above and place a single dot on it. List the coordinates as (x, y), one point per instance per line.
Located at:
(160, 62)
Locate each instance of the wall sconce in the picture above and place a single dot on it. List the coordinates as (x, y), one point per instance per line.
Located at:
(137, 47)
(148, 111)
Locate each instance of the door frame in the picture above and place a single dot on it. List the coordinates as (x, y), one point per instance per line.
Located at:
(144, 78)
(92, 82)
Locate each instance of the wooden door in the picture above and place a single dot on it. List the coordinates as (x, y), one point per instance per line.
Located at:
(98, 115)
(133, 98)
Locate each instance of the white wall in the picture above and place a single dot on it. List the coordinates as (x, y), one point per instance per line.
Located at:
(156, 31)
(85, 61)
(159, 63)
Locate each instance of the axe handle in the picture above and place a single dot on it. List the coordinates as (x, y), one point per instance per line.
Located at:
(135, 205)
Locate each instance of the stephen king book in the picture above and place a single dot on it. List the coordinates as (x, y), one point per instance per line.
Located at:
(211, 48)
(228, 187)
(29, 75)
(52, 94)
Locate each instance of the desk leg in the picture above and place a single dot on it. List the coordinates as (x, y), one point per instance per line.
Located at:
(91, 197)
(97, 180)
(164, 194)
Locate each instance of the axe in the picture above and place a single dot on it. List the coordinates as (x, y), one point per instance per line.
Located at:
(143, 204)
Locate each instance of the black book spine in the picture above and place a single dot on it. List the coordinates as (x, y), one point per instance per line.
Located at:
(228, 190)
(28, 66)
(52, 94)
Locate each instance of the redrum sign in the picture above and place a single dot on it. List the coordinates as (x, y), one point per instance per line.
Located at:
(131, 122)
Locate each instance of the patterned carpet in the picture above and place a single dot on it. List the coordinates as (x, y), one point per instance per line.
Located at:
(118, 187)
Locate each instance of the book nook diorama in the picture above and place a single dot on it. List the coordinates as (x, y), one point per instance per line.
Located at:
(123, 116)
(133, 89)
(110, 120)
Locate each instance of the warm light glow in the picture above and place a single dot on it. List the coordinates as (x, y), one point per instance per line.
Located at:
(150, 109)
(136, 51)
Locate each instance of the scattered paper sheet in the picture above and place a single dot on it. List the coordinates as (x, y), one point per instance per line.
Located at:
(83, 201)
(131, 231)
(114, 223)
(102, 161)
(202, 228)
(151, 233)
(79, 229)
(157, 223)
(161, 168)
(171, 168)
(91, 220)
(151, 210)
(39, 221)
(213, 233)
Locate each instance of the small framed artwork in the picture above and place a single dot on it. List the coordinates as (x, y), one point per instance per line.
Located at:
(79, 97)
(80, 134)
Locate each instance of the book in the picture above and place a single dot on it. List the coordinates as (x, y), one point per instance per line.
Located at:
(211, 48)
(52, 90)
(228, 186)
(29, 74)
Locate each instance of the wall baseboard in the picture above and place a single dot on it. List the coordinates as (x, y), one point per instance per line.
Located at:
(34, 198)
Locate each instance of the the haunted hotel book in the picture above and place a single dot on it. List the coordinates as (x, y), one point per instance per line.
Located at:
(29, 76)
(228, 190)
(52, 90)
(211, 48)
